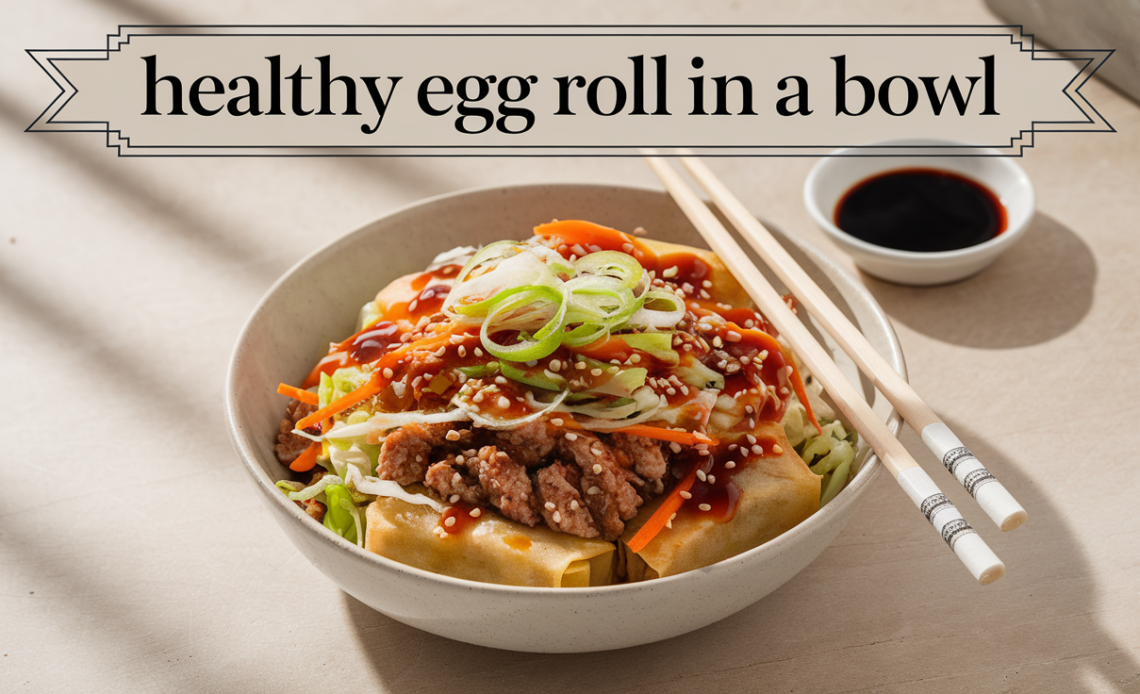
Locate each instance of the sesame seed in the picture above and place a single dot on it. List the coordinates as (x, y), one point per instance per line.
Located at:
(450, 521)
(593, 490)
(597, 469)
(501, 380)
(416, 381)
(702, 452)
(757, 449)
(732, 336)
(745, 359)
(688, 347)
(456, 478)
(686, 495)
(684, 390)
(729, 465)
(419, 459)
(670, 272)
(635, 358)
(580, 365)
(550, 506)
(452, 435)
(751, 438)
(555, 364)
(721, 364)
(705, 295)
(557, 421)
(706, 284)
(478, 352)
(453, 498)
(717, 342)
(627, 247)
(732, 447)
(777, 450)
(671, 391)
(712, 479)
(749, 323)
(701, 475)
(595, 372)
(705, 507)
(412, 306)
(639, 232)
(440, 352)
(763, 355)
(478, 397)
(503, 402)
(456, 339)
(557, 517)
(571, 436)
(573, 504)
(459, 459)
(501, 454)
(462, 351)
(675, 447)
(475, 513)
(613, 369)
(388, 373)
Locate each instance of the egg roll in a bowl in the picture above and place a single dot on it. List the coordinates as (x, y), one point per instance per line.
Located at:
(515, 412)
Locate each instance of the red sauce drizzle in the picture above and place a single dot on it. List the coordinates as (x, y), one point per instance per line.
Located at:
(461, 512)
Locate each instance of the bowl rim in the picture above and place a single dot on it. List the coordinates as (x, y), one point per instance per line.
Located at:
(841, 237)
(856, 488)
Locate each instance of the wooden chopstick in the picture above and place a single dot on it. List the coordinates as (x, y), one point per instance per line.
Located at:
(990, 494)
(966, 544)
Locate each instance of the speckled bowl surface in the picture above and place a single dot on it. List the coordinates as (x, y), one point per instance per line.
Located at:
(317, 302)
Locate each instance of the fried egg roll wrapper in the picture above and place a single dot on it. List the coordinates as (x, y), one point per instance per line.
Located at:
(490, 549)
(776, 493)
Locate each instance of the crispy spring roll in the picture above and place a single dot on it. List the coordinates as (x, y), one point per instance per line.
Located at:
(776, 493)
(490, 549)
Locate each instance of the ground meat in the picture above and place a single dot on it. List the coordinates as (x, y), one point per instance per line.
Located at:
(407, 451)
(608, 493)
(314, 508)
(645, 454)
(453, 478)
(506, 485)
(562, 505)
(527, 445)
(289, 445)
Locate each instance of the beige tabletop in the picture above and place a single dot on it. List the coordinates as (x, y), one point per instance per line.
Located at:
(136, 557)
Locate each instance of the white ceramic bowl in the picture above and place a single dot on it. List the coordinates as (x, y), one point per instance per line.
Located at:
(837, 173)
(316, 302)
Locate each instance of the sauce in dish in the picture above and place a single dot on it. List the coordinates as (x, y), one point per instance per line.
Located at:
(922, 210)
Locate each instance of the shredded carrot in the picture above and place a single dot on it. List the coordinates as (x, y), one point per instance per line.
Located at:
(378, 382)
(306, 460)
(573, 231)
(801, 393)
(328, 364)
(663, 514)
(797, 382)
(662, 434)
(298, 394)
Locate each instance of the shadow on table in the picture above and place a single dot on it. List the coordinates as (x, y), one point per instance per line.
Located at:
(1038, 290)
(858, 619)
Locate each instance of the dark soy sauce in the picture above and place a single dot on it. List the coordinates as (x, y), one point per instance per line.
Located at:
(923, 210)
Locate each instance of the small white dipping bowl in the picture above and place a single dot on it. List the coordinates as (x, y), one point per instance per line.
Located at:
(840, 171)
(317, 302)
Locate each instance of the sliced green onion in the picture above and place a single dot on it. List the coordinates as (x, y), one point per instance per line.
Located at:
(657, 345)
(518, 312)
(535, 379)
(611, 264)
